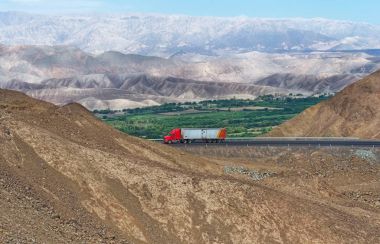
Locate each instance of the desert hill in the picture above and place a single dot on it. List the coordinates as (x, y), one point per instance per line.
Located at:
(67, 177)
(355, 112)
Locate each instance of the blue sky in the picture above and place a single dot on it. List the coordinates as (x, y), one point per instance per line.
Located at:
(355, 10)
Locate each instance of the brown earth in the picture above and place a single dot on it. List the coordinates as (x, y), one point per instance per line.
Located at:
(67, 177)
(355, 112)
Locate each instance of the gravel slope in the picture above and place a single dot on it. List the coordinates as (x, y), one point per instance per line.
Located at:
(70, 178)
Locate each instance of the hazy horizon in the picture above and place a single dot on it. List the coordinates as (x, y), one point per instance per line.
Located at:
(363, 11)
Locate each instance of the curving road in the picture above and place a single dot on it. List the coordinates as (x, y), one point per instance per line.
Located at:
(285, 142)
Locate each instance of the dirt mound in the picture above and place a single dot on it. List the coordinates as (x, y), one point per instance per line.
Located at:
(67, 177)
(355, 111)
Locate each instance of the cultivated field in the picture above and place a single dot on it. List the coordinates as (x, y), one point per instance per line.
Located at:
(242, 118)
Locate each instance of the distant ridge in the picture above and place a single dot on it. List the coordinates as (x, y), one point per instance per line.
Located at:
(165, 35)
(62, 74)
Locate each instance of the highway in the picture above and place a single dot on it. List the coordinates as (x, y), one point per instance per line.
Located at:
(288, 142)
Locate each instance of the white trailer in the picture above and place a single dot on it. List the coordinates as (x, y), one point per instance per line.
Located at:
(203, 134)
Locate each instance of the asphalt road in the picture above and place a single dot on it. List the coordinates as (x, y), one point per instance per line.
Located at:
(289, 142)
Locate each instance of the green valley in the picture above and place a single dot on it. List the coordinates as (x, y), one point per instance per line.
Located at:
(242, 118)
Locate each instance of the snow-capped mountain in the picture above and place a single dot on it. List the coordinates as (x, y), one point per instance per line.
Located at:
(165, 35)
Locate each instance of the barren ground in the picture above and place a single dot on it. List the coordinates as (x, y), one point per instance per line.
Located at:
(67, 177)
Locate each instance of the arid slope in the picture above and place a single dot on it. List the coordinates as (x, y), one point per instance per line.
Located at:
(355, 112)
(67, 177)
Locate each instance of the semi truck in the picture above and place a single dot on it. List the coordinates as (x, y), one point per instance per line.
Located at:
(189, 135)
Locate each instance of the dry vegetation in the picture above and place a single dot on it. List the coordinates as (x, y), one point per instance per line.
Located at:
(67, 177)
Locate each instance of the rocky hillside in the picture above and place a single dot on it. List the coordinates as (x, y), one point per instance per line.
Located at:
(354, 111)
(126, 91)
(67, 177)
(307, 82)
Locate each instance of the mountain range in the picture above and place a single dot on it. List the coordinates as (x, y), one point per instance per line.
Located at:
(63, 74)
(134, 60)
(165, 35)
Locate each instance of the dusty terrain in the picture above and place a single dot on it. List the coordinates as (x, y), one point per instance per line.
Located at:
(67, 177)
(343, 178)
(355, 111)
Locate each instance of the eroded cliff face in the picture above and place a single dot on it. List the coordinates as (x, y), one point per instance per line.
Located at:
(68, 177)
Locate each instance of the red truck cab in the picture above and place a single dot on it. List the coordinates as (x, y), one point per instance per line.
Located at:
(174, 136)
